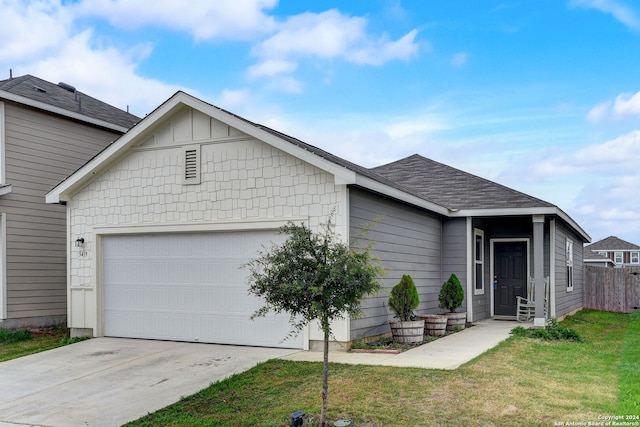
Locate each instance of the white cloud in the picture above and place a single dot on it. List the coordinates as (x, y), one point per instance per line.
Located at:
(600, 112)
(417, 126)
(31, 29)
(106, 74)
(624, 105)
(229, 98)
(203, 19)
(272, 67)
(459, 59)
(616, 155)
(39, 38)
(610, 158)
(618, 10)
(328, 35)
(627, 105)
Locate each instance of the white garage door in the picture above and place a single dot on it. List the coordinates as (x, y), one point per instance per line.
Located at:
(187, 287)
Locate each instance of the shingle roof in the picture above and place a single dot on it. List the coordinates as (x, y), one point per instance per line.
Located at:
(611, 243)
(593, 256)
(432, 181)
(453, 188)
(49, 93)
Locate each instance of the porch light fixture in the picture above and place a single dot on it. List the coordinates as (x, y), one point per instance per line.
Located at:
(80, 242)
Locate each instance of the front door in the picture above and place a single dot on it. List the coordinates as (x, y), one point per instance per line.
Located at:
(510, 269)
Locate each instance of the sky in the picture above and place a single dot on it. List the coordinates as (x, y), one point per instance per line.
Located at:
(541, 96)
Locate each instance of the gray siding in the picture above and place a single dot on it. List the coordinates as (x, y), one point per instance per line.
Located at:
(407, 240)
(454, 255)
(567, 302)
(40, 151)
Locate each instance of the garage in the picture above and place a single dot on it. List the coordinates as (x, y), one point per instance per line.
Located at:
(187, 287)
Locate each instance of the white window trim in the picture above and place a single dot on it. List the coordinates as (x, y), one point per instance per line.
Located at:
(478, 233)
(615, 257)
(492, 273)
(569, 264)
(637, 261)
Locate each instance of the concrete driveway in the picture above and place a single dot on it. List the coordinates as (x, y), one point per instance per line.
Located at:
(110, 381)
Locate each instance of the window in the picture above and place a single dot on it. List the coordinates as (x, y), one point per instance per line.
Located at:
(191, 165)
(478, 256)
(635, 257)
(618, 258)
(606, 254)
(569, 260)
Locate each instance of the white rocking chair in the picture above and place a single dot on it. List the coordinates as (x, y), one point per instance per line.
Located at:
(526, 307)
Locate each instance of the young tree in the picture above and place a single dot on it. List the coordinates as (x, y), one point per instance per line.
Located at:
(313, 276)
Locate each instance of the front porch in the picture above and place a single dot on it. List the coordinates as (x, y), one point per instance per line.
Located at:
(511, 257)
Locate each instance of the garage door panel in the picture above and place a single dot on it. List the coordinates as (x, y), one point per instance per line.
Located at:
(187, 287)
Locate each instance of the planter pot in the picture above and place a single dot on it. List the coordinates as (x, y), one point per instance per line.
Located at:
(456, 321)
(409, 332)
(434, 324)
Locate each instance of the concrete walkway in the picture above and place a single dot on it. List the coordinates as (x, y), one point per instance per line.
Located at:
(445, 353)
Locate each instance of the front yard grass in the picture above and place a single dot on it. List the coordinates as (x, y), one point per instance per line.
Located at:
(521, 382)
(14, 344)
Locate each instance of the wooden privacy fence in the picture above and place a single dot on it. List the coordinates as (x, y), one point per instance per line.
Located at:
(612, 289)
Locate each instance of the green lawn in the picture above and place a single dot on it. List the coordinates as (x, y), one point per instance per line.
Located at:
(15, 344)
(522, 382)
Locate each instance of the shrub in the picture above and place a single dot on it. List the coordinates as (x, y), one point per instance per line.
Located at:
(7, 337)
(553, 331)
(451, 294)
(404, 298)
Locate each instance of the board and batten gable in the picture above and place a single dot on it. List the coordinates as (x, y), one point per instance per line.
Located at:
(407, 240)
(243, 184)
(566, 301)
(40, 150)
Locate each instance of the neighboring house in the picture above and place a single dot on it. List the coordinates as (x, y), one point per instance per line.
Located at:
(620, 252)
(170, 211)
(47, 131)
(596, 259)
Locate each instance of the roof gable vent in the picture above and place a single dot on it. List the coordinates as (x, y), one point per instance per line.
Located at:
(67, 87)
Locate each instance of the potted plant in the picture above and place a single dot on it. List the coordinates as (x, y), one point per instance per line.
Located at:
(451, 297)
(403, 299)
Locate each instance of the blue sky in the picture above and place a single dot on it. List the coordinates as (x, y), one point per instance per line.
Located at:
(542, 96)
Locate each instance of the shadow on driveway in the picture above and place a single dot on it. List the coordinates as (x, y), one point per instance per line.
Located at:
(111, 381)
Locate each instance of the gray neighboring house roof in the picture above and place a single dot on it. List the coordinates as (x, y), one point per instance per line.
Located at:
(612, 243)
(591, 257)
(66, 100)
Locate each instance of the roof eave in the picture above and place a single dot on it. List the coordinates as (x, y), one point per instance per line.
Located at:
(60, 111)
(543, 210)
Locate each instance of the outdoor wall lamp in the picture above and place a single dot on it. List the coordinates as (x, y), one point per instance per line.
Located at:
(80, 242)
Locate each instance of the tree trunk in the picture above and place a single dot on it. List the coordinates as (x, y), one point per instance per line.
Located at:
(325, 372)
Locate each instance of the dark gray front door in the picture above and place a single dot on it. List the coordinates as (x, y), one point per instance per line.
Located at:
(511, 274)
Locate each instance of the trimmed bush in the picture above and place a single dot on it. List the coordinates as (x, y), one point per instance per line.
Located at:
(404, 298)
(451, 294)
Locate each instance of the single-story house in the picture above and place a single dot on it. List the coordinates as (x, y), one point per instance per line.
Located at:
(170, 210)
(47, 131)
